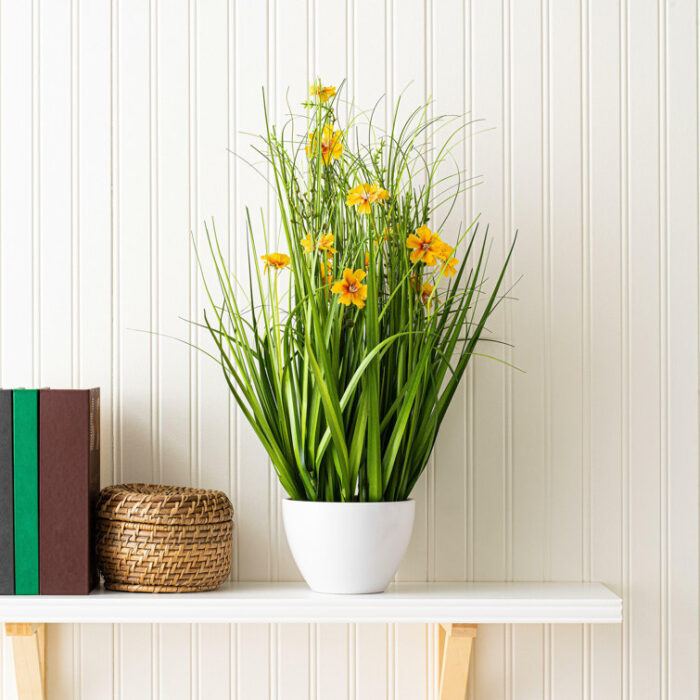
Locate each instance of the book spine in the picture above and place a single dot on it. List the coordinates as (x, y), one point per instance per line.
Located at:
(68, 488)
(93, 479)
(26, 490)
(7, 510)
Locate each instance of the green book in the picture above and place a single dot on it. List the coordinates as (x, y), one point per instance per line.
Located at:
(26, 473)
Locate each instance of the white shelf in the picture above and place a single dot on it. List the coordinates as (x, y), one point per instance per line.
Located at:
(294, 602)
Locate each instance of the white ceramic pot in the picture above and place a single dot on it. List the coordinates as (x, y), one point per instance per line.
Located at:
(348, 547)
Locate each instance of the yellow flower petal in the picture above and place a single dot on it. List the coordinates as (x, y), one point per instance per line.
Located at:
(363, 196)
(449, 268)
(427, 246)
(331, 144)
(350, 289)
(324, 92)
(277, 260)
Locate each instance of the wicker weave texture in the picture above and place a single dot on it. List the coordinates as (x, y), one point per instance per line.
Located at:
(169, 505)
(163, 539)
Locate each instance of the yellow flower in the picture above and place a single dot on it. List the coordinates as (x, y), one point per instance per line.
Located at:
(331, 144)
(351, 289)
(443, 251)
(308, 243)
(427, 246)
(449, 267)
(277, 260)
(367, 260)
(325, 243)
(425, 291)
(364, 196)
(325, 93)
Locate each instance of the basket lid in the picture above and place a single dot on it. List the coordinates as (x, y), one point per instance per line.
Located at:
(166, 505)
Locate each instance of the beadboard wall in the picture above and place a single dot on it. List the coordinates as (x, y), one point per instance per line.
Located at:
(116, 120)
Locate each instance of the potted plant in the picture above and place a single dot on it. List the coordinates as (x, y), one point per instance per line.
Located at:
(345, 346)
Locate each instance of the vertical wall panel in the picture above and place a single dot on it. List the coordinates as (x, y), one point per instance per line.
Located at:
(336, 675)
(55, 185)
(372, 662)
(18, 215)
(561, 245)
(681, 361)
(330, 38)
(170, 98)
(645, 419)
(250, 190)
(136, 679)
(523, 189)
(450, 475)
(211, 130)
(255, 670)
(174, 646)
(134, 248)
(491, 438)
(294, 670)
(605, 236)
(368, 77)
(217, 670)
(169, 183)
(115, 120)
(212, 469)
(565, 379)
(253, 472)
(411, 662)
(96, 665)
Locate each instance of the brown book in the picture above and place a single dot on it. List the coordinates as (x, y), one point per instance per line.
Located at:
(69, 484)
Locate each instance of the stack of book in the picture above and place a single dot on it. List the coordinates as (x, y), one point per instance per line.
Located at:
(49, 483)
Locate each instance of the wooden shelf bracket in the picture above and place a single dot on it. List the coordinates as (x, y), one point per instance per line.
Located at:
(455, 652)
(29, 653)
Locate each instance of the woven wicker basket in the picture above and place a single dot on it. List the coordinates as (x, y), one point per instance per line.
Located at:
(163, 539)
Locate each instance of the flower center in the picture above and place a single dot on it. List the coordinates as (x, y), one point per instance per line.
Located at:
(352, 288)
(426, 246)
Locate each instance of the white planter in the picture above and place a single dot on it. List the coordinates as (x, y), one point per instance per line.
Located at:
(348, 547)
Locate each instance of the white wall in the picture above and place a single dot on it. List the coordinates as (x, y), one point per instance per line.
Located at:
(115, 121)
